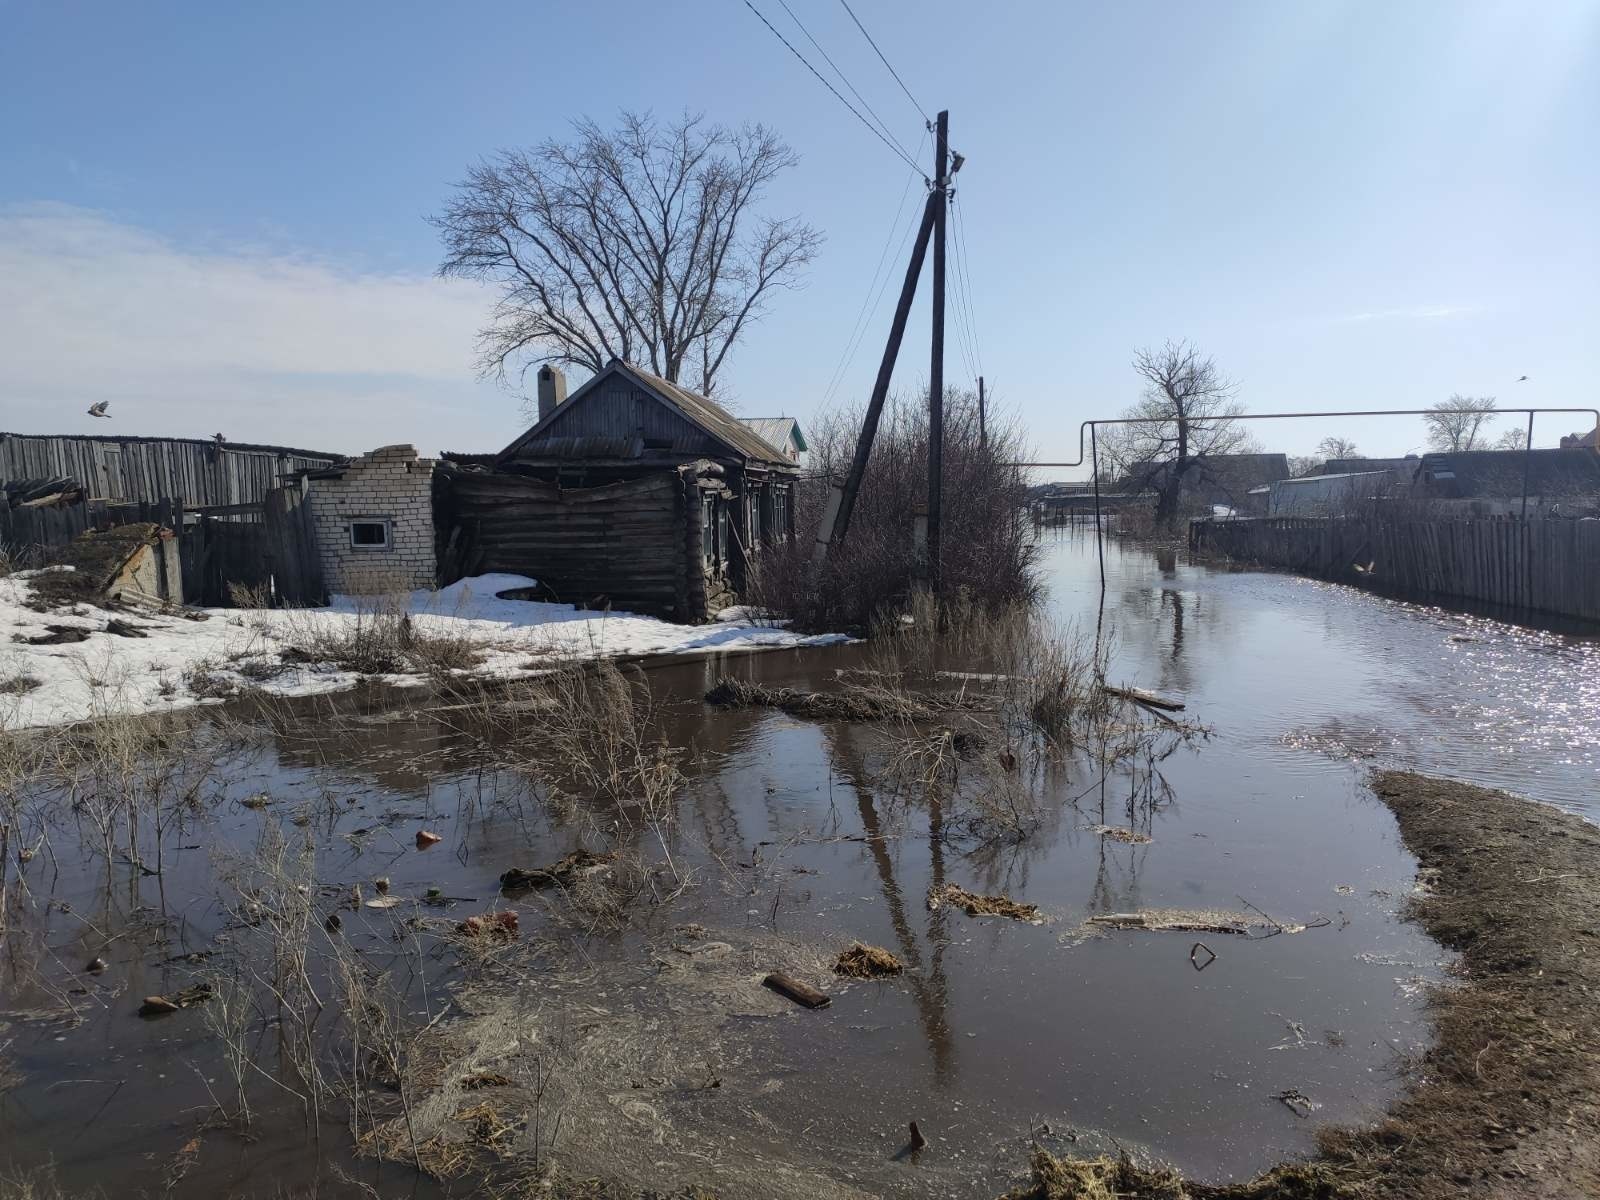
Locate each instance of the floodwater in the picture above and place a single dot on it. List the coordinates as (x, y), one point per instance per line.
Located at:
(998, 1030)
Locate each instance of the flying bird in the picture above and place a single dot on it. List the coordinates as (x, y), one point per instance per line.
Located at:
(1522, 379)
(98, 409)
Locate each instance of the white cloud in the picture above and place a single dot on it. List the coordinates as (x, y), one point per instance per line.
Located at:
(261, 347)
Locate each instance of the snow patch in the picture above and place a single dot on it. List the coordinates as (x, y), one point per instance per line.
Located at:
(182, 660)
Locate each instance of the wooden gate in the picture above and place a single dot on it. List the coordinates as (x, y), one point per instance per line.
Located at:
(259, 554)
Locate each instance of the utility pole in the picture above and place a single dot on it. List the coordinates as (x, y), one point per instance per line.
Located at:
(845, 502)
(940, 199)
(983, 419)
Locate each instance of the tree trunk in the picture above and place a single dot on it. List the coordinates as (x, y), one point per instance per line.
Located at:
(1167, 505)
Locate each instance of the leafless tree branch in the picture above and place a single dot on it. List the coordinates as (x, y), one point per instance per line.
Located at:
(639, 242)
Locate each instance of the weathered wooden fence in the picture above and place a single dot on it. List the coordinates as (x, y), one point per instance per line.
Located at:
(25, 531)
(268, 550)
(1543, 564)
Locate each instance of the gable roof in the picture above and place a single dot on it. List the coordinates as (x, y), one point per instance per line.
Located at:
(1485, 473)
(777, 431)
(710, 417)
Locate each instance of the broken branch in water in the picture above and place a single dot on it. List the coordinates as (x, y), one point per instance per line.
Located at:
(1141, 697)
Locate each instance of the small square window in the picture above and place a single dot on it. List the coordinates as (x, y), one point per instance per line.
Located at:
(369, 535)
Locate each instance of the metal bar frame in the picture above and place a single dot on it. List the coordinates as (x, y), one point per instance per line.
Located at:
(1092, 426)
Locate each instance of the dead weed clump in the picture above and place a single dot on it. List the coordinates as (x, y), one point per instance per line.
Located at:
(867, 962)
(976, 905)
(1103, 1178)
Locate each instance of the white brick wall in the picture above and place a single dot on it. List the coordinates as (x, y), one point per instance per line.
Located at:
(391, 484)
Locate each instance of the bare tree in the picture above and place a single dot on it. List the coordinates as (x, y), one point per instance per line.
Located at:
(1303, 464)
(1458, 423)
(639, 243)
(1337, 447)
(1512, 439)
(1183, 417)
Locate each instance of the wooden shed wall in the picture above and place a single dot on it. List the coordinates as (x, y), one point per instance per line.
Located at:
(151, 469)
(621, 410)
(632, 545)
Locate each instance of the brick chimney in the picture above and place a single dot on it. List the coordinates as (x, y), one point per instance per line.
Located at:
(552, 390)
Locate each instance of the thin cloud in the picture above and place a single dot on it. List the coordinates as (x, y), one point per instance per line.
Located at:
(260, 346)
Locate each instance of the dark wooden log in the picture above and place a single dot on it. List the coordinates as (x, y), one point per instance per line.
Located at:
(800, 993)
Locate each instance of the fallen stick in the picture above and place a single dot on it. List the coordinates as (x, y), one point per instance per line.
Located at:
(801, 993)
(1140, 696)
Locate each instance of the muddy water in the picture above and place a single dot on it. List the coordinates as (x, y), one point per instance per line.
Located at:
(997, 1029)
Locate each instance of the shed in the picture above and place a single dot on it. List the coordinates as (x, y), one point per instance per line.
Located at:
(1330, 495)
(632, 492)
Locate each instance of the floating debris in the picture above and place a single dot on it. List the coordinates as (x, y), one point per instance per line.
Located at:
(1174, 920)
(1118, 834)
(1297, 1102)
(801, 993)
(561, 873)
(975, 905)
(426, 839)
(496, 924)
(867, 962)
(156, 1006)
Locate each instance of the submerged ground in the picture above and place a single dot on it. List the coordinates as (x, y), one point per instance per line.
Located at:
(633, 1040)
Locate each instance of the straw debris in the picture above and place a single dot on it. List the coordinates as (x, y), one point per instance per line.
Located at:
(867, 962)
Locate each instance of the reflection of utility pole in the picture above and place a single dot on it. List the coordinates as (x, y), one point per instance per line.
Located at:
(930, 992)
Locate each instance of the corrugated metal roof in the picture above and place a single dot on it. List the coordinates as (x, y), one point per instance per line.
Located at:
(777, 430)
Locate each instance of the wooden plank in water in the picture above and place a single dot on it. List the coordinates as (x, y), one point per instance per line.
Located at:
(800, 993)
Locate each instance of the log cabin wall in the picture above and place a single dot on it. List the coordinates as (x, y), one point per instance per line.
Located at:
(633, 545)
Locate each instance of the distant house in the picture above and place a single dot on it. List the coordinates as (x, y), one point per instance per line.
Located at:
(201, 472)
(782, 432)
(1499, 474)
(1212, 479)
(633, 493)
(1579, 441)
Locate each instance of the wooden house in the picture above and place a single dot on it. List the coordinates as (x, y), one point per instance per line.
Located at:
(633, 493)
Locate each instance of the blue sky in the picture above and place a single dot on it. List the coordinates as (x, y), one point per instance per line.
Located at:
(214, 215)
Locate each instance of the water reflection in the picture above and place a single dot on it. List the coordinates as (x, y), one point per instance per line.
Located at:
(1317, 666)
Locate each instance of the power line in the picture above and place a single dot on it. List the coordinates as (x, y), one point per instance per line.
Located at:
(964, 264)
(876, 132)
(843, 77)
(921, 112)
(875, 291)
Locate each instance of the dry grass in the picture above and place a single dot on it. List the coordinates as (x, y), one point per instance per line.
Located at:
(380, 638)
(867, 962)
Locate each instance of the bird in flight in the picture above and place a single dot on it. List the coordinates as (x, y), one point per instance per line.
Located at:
(98, 409)
(1522, 379)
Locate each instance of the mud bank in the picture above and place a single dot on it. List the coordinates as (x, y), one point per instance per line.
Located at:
(1506, 1102)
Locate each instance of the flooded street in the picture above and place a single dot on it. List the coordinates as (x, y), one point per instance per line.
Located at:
(673, 1064)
